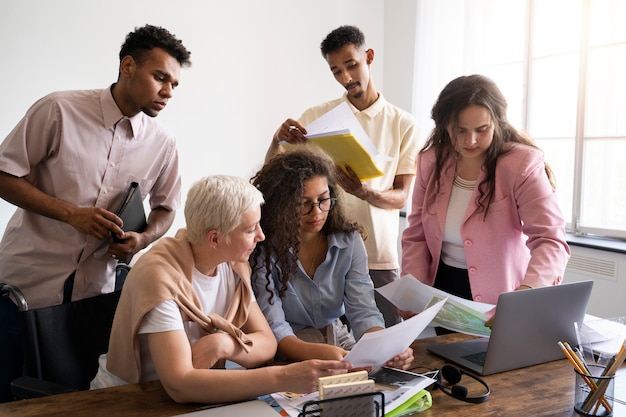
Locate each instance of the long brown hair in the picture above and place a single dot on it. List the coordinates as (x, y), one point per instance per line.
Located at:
(455, 97)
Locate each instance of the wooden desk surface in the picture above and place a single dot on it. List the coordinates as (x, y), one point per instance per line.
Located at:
(541, 390)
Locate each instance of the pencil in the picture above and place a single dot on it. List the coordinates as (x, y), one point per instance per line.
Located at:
(579, 367)
(609, 371)
(577, 357)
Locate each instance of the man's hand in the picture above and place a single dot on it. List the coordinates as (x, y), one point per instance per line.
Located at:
(350, 182)
(130, 244)
(291, 132)
(96, 221)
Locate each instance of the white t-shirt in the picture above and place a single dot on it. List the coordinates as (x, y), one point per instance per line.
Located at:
(452, 248)
(214, 293)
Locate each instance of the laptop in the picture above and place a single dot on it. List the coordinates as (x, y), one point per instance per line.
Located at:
(256, 408)
(527, 326)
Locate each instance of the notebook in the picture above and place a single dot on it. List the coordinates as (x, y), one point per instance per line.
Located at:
(527, 327)
(256, 408)
(131, 211)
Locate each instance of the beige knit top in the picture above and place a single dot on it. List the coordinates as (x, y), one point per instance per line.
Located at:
(164, 273)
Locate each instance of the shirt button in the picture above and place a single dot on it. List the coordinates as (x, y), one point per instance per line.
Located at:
(468, 242)
(478, 298)
(472, 270)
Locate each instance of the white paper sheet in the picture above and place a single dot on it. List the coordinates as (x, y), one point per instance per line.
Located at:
(376, 348)
(459, 314)
(341, 118)
(410, 294)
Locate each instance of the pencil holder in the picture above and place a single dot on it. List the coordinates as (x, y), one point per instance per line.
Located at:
(593, 394)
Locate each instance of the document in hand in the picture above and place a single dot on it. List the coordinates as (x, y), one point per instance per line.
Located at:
(341, 120)
(131, 211)
(345, 149)
(376, 348)
(458, 314)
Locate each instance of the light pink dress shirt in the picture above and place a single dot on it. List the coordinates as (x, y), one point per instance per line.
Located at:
(77, 146)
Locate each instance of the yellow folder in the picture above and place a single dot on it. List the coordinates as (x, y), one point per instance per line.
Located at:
(344, 148)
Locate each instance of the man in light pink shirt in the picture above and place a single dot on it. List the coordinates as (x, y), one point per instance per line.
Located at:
(67, 165)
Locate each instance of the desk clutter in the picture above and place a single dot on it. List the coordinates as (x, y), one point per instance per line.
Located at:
(381, 392)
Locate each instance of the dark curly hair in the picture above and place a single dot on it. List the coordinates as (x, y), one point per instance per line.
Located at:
(148, 37)
(457, 95)
(340, 37)
(281, 180)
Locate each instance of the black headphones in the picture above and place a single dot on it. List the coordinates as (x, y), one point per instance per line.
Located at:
(452, 376)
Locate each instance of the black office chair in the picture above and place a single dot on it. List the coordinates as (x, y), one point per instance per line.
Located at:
(62, 343)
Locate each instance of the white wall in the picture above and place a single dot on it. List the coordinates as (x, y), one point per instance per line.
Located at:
(255, 63)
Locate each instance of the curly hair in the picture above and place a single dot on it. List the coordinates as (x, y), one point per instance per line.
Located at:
(340, 37)
(282, 180)
(457, 95)
(148, 37)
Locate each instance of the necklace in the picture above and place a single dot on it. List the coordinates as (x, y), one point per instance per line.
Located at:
(312, 255)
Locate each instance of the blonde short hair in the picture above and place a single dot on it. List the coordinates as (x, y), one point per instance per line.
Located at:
(216, 203)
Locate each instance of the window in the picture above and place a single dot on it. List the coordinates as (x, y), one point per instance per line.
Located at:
(562, 66)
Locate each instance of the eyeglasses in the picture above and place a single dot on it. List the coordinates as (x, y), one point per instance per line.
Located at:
(324, 204)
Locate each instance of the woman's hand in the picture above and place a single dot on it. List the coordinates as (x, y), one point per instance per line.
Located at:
(301, 377)
(405, 314)
(209, 349)
(402, 361)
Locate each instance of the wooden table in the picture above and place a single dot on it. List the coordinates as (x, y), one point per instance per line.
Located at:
(541, 390)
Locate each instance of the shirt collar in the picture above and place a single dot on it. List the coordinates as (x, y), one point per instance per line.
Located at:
(339, 240)
(372, 110)
(112, 113)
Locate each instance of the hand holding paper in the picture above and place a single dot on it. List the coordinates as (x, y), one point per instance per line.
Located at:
(458, 314)
(376, 348)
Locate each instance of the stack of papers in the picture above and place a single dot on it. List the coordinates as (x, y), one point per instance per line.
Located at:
(341, 135)
(344, 148)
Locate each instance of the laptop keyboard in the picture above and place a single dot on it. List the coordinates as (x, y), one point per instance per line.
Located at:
(478, 358)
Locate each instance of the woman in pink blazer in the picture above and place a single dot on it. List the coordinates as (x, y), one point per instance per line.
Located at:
(485, 218)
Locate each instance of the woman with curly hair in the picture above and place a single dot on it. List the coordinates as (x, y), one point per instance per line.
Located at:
(312, 268)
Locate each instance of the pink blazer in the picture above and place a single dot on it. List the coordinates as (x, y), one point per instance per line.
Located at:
(520, 242)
